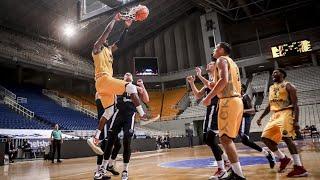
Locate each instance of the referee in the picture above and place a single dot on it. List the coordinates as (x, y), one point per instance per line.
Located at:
(56, 141)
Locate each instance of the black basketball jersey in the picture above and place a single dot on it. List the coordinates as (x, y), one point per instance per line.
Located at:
(214, 100)
(125, 104)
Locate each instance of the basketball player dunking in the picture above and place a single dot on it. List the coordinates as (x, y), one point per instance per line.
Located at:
(284, 121)
(106, 85)
(228, 89)
(210, 124)
(124, 120)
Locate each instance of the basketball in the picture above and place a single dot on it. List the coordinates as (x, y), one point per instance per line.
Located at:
(142, 13)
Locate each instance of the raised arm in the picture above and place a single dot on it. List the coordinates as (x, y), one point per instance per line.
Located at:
(202, 79)
(198, 94)
(221, 83)
(143, 93)
(99, 43)
(294, 100)
(123, 35)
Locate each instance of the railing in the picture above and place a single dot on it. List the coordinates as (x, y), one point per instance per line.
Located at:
(17, 107)
(6, 92)
(88, 112)
(54, 96)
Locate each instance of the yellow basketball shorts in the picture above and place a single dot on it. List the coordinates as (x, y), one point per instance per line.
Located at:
(230, 116)
(280, 125)
(108, 87)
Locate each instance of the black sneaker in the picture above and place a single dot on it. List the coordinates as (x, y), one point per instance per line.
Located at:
(112, 170)
(59, 161)
(272, 161)
(124, 175)
(230, 175)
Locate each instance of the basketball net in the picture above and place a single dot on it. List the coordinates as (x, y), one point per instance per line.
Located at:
(131, 14)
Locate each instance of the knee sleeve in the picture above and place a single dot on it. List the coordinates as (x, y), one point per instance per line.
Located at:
(108, 112)
(131, 89)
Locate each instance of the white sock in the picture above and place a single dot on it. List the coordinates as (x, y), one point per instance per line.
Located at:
(265, 152)
(296, 159)
(236, 167)
(126, 167)
(279, 154)
(98, 167)
(112, 162)
(225, 157)
(105, 163)
(220, 164)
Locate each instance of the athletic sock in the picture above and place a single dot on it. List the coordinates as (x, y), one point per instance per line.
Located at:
(265, 151)
(126, 167)
(236, 167)
(105, 163)
(279, 154)
(296, 160)
(98, 167)
(225, 157)
(112, 162)
(220, 164)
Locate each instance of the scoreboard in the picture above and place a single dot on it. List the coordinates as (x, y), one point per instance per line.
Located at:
(290, 49)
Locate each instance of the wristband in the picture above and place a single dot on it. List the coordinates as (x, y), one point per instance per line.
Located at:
(140, 110)
(97, 135)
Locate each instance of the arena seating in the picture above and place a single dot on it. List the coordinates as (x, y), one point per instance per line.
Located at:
(47, 109)
(9, 119)
(259, 81)
(171, 98)
(155, 102)
(89, 105)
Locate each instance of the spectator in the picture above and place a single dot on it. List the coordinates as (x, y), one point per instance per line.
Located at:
(26, 148)
(167, 141)
(189, 133)
(314, 131)
(56, 141)
(10, 150)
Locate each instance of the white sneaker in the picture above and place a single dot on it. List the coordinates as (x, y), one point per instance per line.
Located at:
(94, 147)
(125, 175)
(144, 121)
(99, 174)
(218, 174)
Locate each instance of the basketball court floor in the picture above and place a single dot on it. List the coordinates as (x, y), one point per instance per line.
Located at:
(174, 164)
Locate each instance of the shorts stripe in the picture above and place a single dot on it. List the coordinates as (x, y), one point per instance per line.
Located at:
(113, 118)
(132, 120)
(210, 117)
(243, 124)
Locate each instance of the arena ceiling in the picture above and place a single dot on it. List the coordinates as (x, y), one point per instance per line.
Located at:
(46, 18)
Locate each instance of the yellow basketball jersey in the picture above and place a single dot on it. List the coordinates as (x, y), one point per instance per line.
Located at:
(103, 62)
(279, 97)
(233, 88)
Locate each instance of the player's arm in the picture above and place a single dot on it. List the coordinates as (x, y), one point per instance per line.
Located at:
(294, 100)
(221, 83)
(264, 113)
(205, 81)
(123, 35)
(198, 94)
(142, 92)
(99, 43)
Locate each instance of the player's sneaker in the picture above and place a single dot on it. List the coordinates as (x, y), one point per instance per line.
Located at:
(101, 174)
(124, 175)
(112, 170)
(284, 162)
(147, 120)
(230, 175)
(218, 174)
(298, 171)
(92, 142)
(271, 159)
(227, 164)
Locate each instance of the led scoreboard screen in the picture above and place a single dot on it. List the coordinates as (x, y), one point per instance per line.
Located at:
(290, 49)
